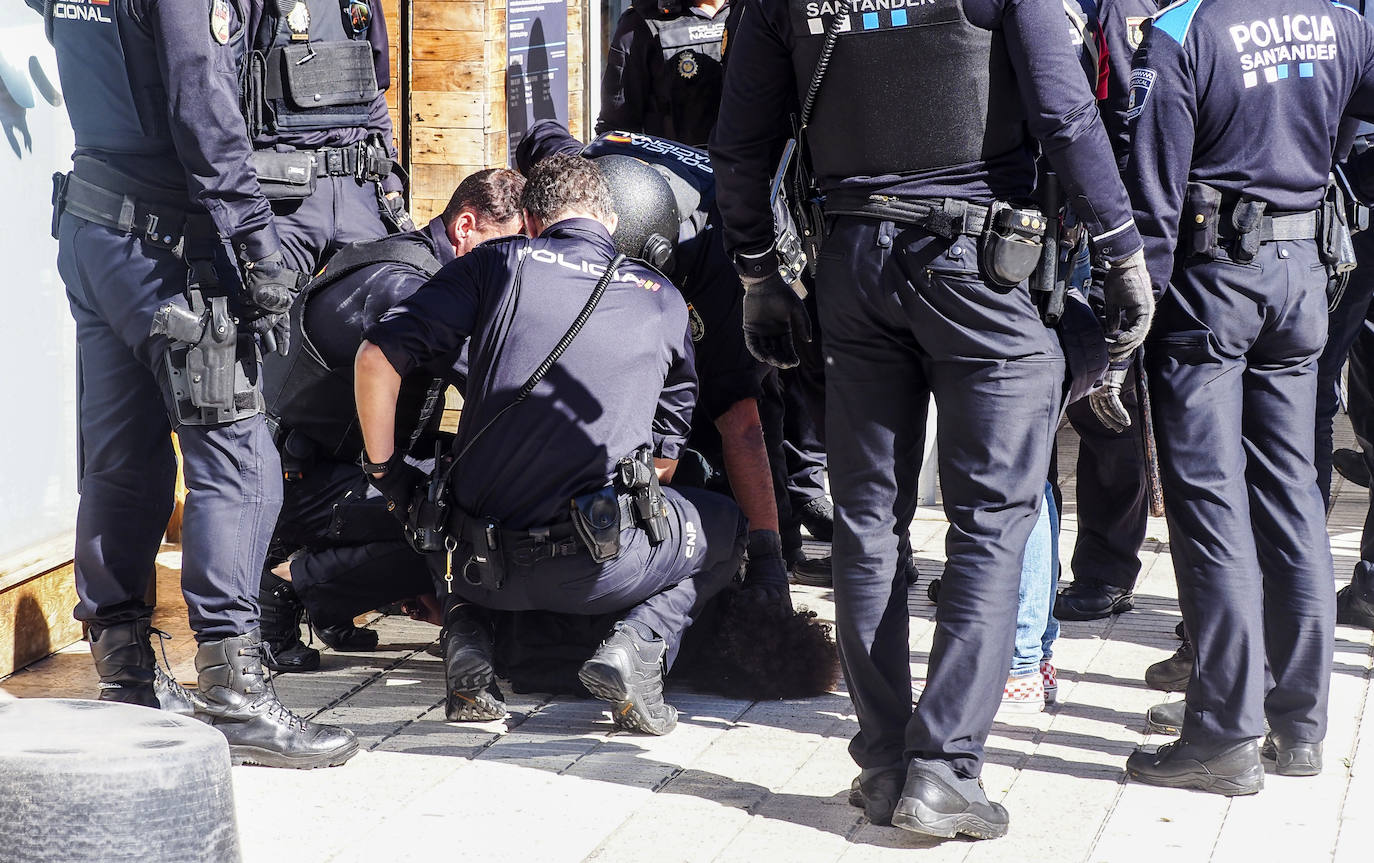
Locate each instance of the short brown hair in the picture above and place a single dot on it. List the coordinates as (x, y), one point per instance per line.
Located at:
(562, 183)
(492, 195)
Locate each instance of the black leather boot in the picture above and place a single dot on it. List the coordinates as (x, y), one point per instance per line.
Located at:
(1292, 757)
(1353, 609)
(128, 669)
(471, 680)
(279, 620)
(1166, 718)
(627, 670)
(242, 704)
(818, 517)
(876, 791)
(1172, 674)
(1228, 769)
(937, 802)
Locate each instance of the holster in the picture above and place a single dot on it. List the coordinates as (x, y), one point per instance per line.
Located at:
(596, 519)
(1335, 246)
(636, 477)
(357, 520)
(1010, 245)
(427, 523)
(486, 566)
(1201, 217)
(1248, 219)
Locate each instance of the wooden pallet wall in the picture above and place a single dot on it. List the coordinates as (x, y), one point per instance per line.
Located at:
(456, 51)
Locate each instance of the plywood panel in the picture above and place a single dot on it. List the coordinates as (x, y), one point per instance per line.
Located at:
(449, 110)
(449, 15)
(446, 45)
(36, 618)
(437, 76)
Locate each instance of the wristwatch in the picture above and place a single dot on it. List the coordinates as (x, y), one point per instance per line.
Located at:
(372, 467)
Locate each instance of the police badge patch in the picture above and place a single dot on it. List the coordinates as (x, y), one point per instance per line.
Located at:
(687, 65)
(1135, 31)
(219, 21)
(298, 21)
(1141, 82)
(695, 324)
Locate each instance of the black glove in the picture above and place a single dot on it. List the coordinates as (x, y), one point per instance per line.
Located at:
(1105, 400)
(1130, 305)
(773, 313)
(273, 330)
(400, 484)
(766, 571)
(268, 285)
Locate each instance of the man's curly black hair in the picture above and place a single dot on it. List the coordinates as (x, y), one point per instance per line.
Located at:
(762, 651)
(744, 646)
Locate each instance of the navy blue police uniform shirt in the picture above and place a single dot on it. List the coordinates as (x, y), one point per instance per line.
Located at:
(701, 270)
(761, 91)
(625, 381)
(337, 317)
(200, 74)
(1277, 76)
(1123, 24)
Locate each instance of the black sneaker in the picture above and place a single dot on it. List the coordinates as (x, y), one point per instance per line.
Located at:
(1352, 609)
(279, 621)
(818, 517)
(1292, 758)
(1172, 674)
(627, 670)
(876, 791)
(814, 572)
(1166, 718)
(468, 670)
(1230, 770)
(347, 637)
(933, 805)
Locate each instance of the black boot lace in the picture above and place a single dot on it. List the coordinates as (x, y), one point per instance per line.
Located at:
(275, 708)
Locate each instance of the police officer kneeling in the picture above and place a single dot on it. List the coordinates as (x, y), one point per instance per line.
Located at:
(555, 501)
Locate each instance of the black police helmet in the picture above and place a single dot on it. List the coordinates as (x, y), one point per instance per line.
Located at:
(646, 209)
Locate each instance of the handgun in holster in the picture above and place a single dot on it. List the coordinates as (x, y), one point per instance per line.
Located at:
(208, 333)
(1335, 245)
(635, 476)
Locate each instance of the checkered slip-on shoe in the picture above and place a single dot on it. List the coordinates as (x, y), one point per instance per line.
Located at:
(1050, 678)
(1024, 693)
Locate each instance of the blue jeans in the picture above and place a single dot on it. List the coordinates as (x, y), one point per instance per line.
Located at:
(1036, 626)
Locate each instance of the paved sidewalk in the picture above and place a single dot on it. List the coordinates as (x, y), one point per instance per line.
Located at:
(768, 781)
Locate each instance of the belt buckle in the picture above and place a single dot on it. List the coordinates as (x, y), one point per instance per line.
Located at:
(334, 162)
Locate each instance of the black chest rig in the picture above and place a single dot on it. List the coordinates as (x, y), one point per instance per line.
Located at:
(687, 86)
(311, 68)
(305, 394)
(911, 86)
(110, 79)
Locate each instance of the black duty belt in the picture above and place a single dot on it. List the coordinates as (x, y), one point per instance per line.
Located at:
(527, 547)
(362, 161)
(159, 224)
(1275, 229)
(944, 217)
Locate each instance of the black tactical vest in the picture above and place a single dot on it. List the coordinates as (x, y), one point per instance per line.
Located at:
(311, 68)
(306, 394)
(911, 86)
(688, 85)
(110, 79)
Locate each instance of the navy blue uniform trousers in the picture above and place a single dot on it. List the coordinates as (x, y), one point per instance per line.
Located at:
(115, 283)
(907, 315)
(1361, 407)
(352, 555)
(665, 587)
(1233, 369)
(1344, 325)
(341, 210)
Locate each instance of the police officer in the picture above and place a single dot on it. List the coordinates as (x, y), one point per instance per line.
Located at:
(1111, 490)
(314, 92)
(1355, 601)
(919, 293)
(347, 553)
(581, 527)
(1236, 105)
(663, 71)
(161, 173)
(731, 379)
